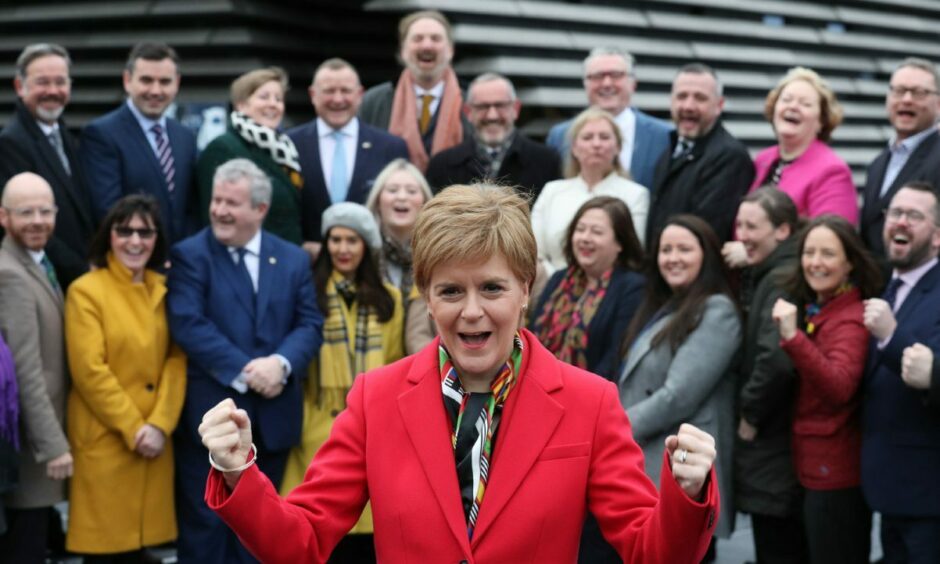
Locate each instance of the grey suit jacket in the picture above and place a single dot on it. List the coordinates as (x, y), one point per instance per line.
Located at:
(661, 390)
(31, 322)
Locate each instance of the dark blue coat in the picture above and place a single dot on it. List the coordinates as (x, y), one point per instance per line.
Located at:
(901, 425)
(607, 328)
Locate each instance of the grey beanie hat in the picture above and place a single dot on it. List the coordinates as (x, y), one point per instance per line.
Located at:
(356, 217)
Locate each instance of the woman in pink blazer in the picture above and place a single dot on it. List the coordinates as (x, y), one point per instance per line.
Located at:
(483, 447)
(804, 111)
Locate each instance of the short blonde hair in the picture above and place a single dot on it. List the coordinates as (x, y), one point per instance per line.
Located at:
(468, 224)
(372, 201)
(830, 111)
(245, 85)
(572, 166)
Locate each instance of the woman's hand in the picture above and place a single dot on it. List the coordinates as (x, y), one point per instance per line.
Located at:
(784, 315)
(226, 432)
(60, 467)
(692, 453)
(149, 441)
(746, 431)
(735, 254)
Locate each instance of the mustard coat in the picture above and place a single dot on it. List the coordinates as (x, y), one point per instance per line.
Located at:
(323, 400)
(125, 373)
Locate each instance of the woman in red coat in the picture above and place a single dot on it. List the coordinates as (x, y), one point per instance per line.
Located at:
(483, 447)
(828, 343)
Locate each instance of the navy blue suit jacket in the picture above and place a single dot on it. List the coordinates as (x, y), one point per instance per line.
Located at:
(374, 150)
(901, 425)
(650, 140)
(610, 321)
(210, 319)
(119, 160)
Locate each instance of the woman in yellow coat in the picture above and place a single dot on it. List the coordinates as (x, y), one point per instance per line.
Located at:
(362, 330)
(128, 383)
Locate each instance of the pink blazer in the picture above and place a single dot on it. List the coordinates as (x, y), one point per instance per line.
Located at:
(818, 181)
(564, 446)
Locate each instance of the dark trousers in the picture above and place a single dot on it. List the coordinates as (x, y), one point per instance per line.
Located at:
(838, 526)
(203, 537)
(594, 549)
(779, 540)
(910, 540)
(26, 537)
(130, 557)
(357, 548)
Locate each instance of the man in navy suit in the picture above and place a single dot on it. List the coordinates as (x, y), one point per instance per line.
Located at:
(37, 140)
(340, 156)
(138, 148)
(610, 83)
(901, 426)
(242, 305)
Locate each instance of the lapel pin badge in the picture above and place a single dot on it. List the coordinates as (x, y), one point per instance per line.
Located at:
(366, 145)
(272, 260)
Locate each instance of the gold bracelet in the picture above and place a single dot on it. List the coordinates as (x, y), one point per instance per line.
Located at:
(244, 466)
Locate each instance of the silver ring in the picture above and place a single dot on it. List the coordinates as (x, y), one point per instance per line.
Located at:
(683, 454)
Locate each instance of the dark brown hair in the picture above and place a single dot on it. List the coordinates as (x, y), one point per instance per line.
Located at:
(631, 252)
(688, 304)
(120, 214)
(865, 272)
(370, 291)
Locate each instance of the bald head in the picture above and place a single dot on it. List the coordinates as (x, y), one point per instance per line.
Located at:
(27, 210)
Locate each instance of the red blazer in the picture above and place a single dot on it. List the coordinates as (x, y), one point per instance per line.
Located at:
(564, 446)
(827, 434)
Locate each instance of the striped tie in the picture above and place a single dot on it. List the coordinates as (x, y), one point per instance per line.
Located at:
(165, 156)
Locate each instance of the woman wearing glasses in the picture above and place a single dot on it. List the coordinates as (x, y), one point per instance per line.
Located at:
(803, 111)
(128, 382)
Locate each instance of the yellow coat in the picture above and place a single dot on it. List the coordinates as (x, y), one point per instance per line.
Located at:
(323, 403)
(125, 372)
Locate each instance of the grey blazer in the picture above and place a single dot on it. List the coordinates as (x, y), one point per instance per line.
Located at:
(661, 390)
(31, 323)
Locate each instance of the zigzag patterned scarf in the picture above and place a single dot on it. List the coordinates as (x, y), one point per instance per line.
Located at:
(473, 439)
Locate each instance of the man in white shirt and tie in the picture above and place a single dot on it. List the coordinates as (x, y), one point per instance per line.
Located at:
(340, 156)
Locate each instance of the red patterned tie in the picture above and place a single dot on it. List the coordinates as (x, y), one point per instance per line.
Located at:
(165, 156)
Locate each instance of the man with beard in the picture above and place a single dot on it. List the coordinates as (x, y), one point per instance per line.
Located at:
(423, 107)
(497, 152)
(610, 81)
(37, 140)
(31, 324)
(901, 425)
(706, 171)
(913, 104)
(139, 148)
(339, 155)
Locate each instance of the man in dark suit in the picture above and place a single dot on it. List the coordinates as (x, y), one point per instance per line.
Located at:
(138, 148)
(497, 152)
(901, 411)
(610, 82)
(241, 304)
(913, 104)
(37, 140)
(340, 156)
(705, 171)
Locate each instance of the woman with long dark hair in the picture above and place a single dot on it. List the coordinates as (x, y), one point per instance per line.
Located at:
(680, 347)
(362, 330)
(823, 333)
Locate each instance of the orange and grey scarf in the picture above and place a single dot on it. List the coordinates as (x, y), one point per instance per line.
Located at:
(404, 122)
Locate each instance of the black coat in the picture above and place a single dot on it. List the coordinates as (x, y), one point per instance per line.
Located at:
(24, 148)
(765, 481)
(923, 164)
(610, 321)
(527, 164)
(709, 182)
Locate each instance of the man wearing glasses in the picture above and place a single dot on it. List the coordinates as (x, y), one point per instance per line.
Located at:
(913, 153)
(901, 425)
(610, 83)
(37, 140)
(497, 152)
(31, 324)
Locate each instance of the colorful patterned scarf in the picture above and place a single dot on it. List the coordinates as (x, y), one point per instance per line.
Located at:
(562, 325)
(278, 145)
(473, 474)
(812, 309)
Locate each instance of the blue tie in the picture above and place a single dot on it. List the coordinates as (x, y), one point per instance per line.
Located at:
(338, 186)
(246, 284)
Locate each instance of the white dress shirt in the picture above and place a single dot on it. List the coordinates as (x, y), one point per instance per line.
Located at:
(626, 121)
